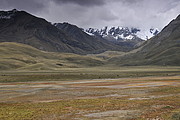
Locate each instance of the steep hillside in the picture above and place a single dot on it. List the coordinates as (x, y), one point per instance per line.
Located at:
(16, 56)
(163, 49)
(22, 27)
(85, 41)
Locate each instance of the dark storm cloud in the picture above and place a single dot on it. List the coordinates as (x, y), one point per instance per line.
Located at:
(82, 2)
(99, 13)
(28, 5)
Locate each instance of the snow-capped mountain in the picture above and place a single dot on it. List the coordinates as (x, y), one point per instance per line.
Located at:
(122, 33)
(147, 34)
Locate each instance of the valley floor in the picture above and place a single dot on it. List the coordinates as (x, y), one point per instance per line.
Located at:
(125, 93)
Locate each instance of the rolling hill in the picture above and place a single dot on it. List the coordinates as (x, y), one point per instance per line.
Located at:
(17, 56)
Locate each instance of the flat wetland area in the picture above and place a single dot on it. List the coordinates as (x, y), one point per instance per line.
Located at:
(94, 93)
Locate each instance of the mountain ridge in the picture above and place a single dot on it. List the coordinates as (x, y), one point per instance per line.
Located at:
(163, 49)
(77, 33)
(129, 37)
(23, 27)
(123, 33)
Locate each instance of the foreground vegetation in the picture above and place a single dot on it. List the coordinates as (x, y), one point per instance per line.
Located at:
(125, 93)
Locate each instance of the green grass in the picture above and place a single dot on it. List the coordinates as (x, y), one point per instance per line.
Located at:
(28, 70)
(64, 74)
(19, 56)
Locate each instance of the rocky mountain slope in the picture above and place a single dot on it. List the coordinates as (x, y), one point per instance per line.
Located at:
(22, 27)
(83, 36)
(86, 41)
(163, 49)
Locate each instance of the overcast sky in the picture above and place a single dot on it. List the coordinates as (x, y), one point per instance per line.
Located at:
(98, 13)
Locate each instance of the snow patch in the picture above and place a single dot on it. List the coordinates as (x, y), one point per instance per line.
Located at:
(147, 34)
(124, 33)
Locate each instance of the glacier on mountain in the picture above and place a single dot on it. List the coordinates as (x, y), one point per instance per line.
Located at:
(122, 33)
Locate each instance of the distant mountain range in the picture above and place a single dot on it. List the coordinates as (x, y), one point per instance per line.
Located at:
(87, 40)
(122, 33)
(22, 27)
(129, 37)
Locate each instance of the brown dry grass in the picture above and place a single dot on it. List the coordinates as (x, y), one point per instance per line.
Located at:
(153, 97)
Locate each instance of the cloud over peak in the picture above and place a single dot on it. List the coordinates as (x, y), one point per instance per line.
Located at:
(82, 2)
(99, 13)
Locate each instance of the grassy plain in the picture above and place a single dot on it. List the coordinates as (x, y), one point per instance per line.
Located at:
(38, 85)
(101, 93)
